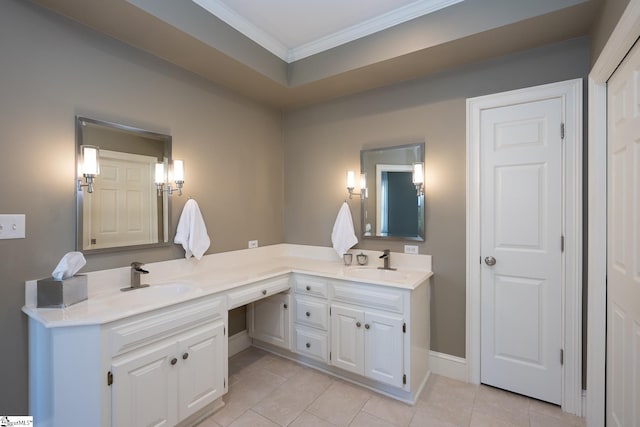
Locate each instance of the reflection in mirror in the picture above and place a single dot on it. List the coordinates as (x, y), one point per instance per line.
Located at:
(124, 208)
(392, 208)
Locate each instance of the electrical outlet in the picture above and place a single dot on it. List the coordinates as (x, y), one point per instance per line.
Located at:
(410, 249)
(12, 226)
(253, 244)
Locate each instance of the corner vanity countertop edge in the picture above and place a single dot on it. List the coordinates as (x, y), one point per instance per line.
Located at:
(108, 304)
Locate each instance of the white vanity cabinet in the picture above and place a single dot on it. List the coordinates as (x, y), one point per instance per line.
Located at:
(269, 320)
(368, 344)
(171, 381)
(163, 367)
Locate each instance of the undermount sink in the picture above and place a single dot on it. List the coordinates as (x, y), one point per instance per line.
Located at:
(154, 293)
(372, 273)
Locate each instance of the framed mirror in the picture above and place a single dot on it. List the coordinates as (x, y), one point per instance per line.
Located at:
(123, 209)
(394, 205)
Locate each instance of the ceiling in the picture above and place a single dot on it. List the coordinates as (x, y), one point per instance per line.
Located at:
(292, 53)
(293, 29)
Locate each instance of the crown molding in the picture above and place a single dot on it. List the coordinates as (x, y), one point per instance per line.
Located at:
(237, 21)
(382, 22)
(379, 23)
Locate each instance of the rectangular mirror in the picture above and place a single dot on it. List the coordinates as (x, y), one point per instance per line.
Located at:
(124, 209)
(393, 207)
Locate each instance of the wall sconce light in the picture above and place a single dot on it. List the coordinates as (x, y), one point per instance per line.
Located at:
(89, 166)
(178, 178)
(418, 178)
(351, 179)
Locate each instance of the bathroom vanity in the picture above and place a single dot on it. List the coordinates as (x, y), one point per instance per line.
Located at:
(158, 355)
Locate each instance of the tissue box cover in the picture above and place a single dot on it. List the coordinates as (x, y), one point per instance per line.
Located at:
(54, 293)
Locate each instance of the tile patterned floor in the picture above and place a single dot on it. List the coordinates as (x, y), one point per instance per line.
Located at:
(266, 390)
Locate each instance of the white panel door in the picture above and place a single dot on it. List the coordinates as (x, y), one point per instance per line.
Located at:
(124, 204)
(384, 345)
(521, 155)
(202, 362)
(623, 241)
(347, 339)
(145, 387)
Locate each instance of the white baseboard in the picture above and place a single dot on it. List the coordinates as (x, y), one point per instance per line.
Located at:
(448, 365)
(239, 342)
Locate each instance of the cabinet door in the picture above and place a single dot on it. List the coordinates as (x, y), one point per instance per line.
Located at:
(347, 339)
(269, 320)
(384, 344)
(144, 388)
(202, 360)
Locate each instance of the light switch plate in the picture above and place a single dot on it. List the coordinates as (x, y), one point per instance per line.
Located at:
(12, 226)
(410, 249)
(253, 244)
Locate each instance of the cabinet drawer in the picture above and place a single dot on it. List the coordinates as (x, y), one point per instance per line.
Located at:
(372, 296)
(311, 312)
(141, 330)
(312, 286)
(311, 343)
(256, 291)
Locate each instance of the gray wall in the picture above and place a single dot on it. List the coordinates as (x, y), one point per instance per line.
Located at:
(323, 141)
(52, 70)
(610, 14)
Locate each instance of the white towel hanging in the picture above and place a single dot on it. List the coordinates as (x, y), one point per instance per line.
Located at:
(343, 236)
(191, 231)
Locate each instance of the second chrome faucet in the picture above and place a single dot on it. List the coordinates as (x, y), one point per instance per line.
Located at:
(386, 257)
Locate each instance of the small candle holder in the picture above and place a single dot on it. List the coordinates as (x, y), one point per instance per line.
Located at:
(362, 259)
(347, 258)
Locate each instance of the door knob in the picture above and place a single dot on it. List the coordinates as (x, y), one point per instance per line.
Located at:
(358, 324)
(490, 260)
(366, 326)
(185, 356)
(174, 361)
(308, 345)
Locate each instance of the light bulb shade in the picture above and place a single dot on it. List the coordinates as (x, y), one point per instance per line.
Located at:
(90, 162)
(351, 179)
(178, 170)
(418, 173)
(363, 181)
(160, 173)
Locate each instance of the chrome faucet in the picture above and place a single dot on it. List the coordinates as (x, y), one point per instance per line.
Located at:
(386, 256)
(136, 272)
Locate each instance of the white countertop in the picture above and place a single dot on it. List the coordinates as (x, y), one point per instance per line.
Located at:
(217, 274)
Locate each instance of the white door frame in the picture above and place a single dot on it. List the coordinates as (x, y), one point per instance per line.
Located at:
(620, 42)
(571, 93)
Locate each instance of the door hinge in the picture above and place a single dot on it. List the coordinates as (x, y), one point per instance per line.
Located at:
(404, 379)
(329, 355)
(562, 356)
(224, 331)
(109, 378)
(404, 328)
(225, 383)
(329, 311)
(561, 243)
(561, 130)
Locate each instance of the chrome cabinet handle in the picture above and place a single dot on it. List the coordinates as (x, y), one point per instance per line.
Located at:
(358, 324)
(490, 260)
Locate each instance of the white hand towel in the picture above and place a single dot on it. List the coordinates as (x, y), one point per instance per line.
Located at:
(191, 231)
(343, 237)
